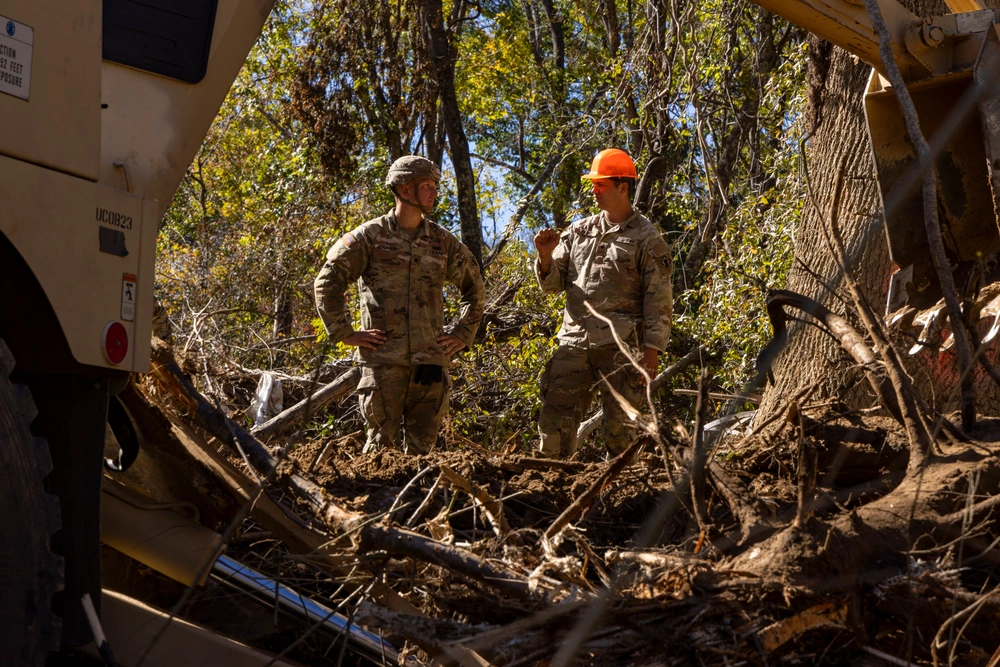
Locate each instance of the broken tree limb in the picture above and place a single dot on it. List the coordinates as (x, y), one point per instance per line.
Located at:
(492, 508)
(846, 335)
(699, 455)
(375, 537)
(805, 473)
(742, 503)
(823, 614)
(342, 523)
(581, 503)
(171, 378)
(890, 394)
(515, 631)
(344, 384)
(423, 632)
(736, 495)
(417, 513)
(653, 559)
(689, 359)
(166, 431)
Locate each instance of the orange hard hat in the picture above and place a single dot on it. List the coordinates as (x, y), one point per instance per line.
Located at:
(611, 163)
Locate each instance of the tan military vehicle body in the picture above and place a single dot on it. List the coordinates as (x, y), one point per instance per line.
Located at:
(92, 152)
(103, 105)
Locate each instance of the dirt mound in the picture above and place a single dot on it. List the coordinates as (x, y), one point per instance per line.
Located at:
(533, 491)
(822, 538)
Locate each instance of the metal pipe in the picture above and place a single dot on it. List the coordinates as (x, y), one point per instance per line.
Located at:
(234, 572)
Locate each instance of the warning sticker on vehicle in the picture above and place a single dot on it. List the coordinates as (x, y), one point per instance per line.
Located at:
(16, 42)
(128, 297)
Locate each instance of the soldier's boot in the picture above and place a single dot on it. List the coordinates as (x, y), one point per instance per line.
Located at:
(557, 435)
(617, 438)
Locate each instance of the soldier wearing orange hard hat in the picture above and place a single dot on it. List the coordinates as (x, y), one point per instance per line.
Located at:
(619, 264)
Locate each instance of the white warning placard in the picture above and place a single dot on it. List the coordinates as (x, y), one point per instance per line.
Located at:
(16, 42)
(128, 297)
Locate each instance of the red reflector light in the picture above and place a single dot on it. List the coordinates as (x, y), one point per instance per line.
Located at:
(115, 340)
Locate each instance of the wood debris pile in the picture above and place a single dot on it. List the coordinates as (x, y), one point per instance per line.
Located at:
(811, 542)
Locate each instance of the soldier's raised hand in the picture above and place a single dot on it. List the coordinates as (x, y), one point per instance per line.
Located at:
(546, 241)
(369, 339)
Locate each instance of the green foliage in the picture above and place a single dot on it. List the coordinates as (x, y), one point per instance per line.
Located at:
(251, 220)
(753, 251)
(707, 97)
(496, 393)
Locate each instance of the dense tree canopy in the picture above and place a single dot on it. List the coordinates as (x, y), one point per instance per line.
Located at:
(854, 522)
(707, 97)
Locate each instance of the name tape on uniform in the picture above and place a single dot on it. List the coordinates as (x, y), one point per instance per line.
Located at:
(16, 42)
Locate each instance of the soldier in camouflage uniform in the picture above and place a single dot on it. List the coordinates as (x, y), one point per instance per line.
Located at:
(618, 263)
(402, 260)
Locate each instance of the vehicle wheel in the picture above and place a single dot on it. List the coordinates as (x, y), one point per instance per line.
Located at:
(30, 573)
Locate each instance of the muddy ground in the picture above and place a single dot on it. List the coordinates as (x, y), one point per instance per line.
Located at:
(811, 541)
(841, 584)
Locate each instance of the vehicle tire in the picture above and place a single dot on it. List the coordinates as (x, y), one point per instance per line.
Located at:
(30, 574)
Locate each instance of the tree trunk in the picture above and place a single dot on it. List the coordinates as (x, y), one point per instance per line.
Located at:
(839, 142)
(839, 148)
(458, 144)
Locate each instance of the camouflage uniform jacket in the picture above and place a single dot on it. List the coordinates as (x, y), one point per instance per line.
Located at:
(623, 271)
(401, 288)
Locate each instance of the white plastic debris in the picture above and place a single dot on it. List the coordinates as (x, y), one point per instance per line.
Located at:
(267, 400)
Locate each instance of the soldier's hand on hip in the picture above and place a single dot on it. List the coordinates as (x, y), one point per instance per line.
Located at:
(651, 361)
(369, 339)
(450, 344)
(546, 241)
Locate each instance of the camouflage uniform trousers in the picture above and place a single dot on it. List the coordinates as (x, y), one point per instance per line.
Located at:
(568, 384)
(401, 414)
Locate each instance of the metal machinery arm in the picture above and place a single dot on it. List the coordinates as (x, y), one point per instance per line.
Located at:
(950, 65)
(923, 46)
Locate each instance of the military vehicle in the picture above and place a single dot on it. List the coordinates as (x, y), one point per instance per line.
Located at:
(104, 104)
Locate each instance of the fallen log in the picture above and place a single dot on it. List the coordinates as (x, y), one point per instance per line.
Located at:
(308, 407)
(370, 537)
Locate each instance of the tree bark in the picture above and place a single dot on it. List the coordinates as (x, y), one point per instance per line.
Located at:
(841, 130)
(443, 60)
